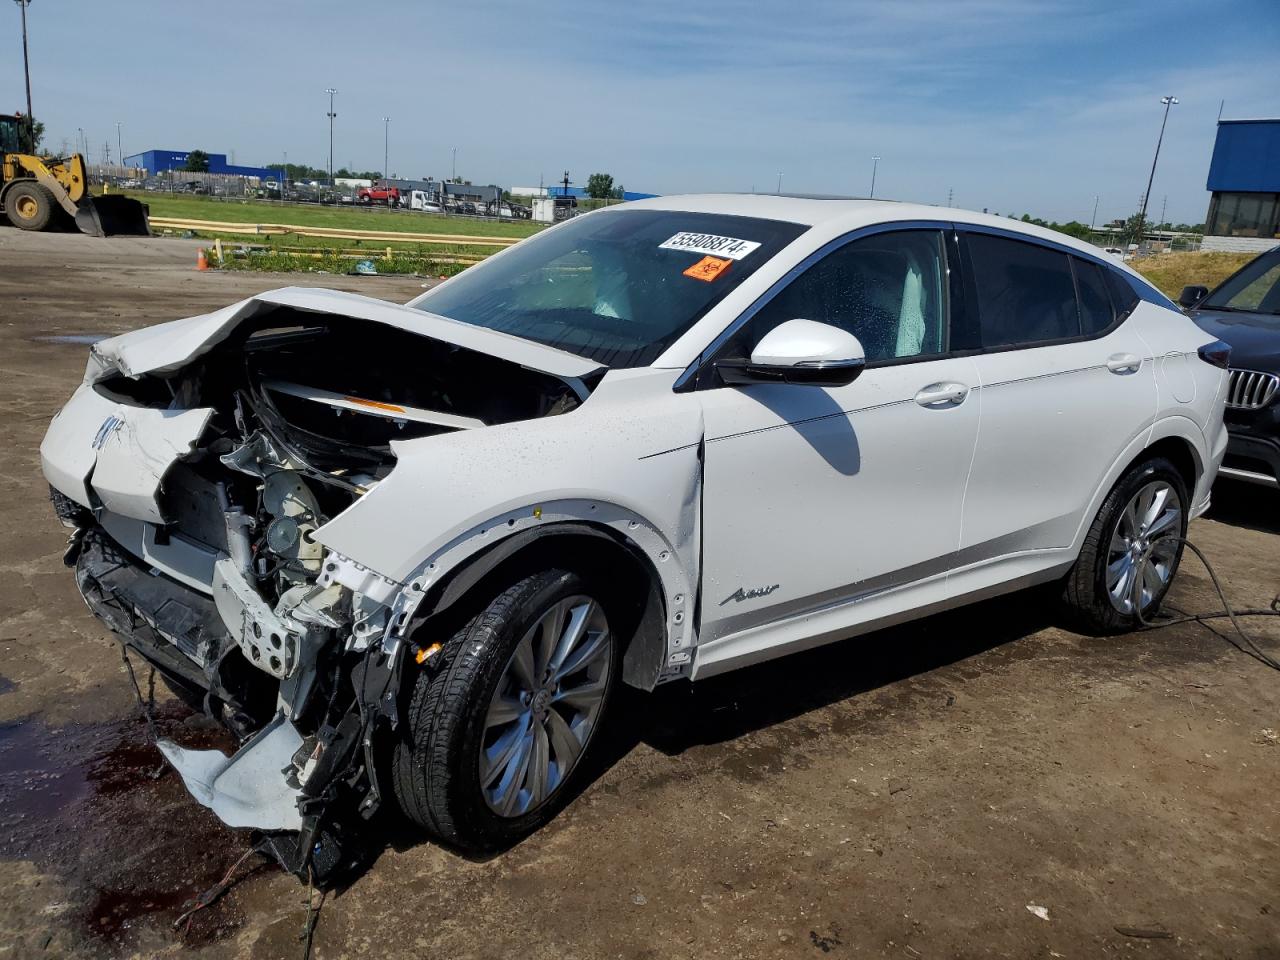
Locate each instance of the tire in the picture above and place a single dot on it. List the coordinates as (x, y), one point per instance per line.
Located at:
(28, 205)
(1090, 588)
(455, 715)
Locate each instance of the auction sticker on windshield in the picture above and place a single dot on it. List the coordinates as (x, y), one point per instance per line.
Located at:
(708, 268)
(710, 244)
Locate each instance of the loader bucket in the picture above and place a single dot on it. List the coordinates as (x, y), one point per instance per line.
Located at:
(112, 215)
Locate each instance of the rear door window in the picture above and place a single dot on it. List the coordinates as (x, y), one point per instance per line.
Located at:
(1123, 296)
(1096, 312)
(1025, 292)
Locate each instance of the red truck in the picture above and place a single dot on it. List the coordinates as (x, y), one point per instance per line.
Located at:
(379, 194)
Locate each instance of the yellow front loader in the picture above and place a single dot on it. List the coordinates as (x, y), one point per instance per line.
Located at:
(33, 188)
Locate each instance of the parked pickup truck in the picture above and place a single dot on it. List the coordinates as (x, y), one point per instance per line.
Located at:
(388, 195)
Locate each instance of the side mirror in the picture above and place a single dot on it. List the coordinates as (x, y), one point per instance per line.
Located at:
(799, 351)
(1190, 296)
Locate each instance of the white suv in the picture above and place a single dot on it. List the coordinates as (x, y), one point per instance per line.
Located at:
(409, 551)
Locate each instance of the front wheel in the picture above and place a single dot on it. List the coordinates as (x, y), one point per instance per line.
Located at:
(29, 205)
(496, 733)
(1145, 514)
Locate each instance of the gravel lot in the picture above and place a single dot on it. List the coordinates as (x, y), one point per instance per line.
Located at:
(907, 794)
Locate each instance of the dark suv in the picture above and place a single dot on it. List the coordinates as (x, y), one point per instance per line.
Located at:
(1244, 311)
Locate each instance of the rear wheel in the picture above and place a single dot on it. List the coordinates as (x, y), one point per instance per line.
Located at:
(497, 732)
(1144, 515)
(29, 205)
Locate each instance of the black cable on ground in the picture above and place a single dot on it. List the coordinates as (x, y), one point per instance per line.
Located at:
(1250, 647)
(143, 705)
(313, 915)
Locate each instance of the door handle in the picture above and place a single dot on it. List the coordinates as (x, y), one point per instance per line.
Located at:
(942, 395)
(1123, 363)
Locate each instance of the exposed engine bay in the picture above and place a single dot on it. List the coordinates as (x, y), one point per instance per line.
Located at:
(216, 578)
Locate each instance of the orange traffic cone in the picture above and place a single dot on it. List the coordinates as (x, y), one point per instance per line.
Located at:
(202, 261)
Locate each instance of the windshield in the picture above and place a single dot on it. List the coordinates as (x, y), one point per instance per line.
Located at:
(1255, 289)
(618, 286)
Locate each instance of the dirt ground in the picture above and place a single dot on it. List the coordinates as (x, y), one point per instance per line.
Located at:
(907, 794)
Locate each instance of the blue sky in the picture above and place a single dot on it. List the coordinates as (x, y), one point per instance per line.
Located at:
(1013, 106)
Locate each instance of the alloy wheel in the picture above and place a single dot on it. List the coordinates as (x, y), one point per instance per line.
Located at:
(1151, 520)
(546, 706)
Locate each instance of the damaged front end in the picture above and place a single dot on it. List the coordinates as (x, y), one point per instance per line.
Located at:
(195, 490)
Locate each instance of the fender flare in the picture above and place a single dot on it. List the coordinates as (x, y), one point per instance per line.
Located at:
(1174, 427)
(664, 641)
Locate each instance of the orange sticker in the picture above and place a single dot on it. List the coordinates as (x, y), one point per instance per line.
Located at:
(708, 268)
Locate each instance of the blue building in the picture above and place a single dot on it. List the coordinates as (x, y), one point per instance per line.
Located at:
(160, 161)
(1244, 179)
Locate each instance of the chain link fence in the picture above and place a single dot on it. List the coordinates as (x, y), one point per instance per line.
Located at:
(228, 187)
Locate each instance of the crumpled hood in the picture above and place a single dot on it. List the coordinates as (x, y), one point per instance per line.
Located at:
(170, 346)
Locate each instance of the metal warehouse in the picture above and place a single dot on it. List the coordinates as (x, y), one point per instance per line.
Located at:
(1244, 177)
(159, 161)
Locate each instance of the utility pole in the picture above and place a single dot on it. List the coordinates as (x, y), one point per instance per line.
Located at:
(455, 164)
(1094, 218)
(120, 144)
(386, 140)
(1142, 214)
(1163, 204)
(331, 91)
(779, 181)
(875, 161)
(26, 69)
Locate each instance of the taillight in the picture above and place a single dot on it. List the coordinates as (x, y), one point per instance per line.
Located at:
(1216, 353)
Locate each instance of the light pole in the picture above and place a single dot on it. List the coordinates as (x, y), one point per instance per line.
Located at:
(875, 162)
(26, 69)
(779, 181)
(331, 91)
(119, 144)
(386, 141)
(455, 164)
(1094, 218)
(1142, 214)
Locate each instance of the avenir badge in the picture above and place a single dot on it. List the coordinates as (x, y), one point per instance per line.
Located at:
(740, 594)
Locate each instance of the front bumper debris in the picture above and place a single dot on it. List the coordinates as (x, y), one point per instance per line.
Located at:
(248, 788)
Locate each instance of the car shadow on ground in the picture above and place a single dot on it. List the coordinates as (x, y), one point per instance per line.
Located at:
(679, 716)
(1248, 505)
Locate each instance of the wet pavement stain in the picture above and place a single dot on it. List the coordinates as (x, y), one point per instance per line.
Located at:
(154, 850)
(38, 777)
